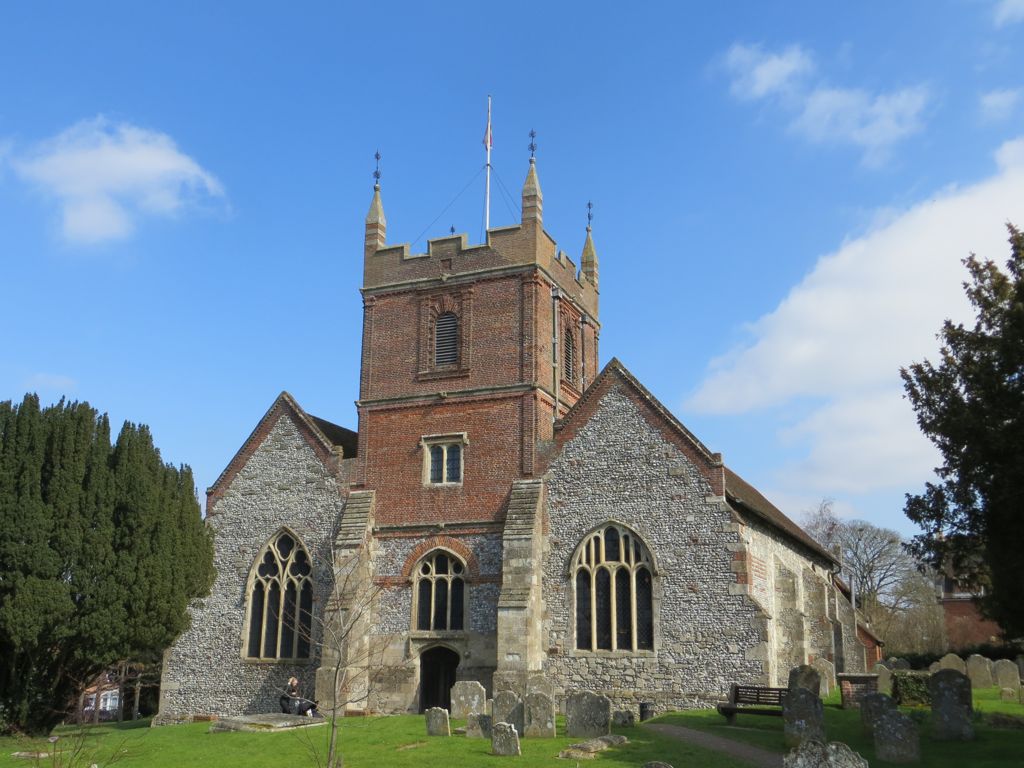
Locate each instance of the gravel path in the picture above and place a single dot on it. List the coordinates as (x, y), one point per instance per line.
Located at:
(760, 758)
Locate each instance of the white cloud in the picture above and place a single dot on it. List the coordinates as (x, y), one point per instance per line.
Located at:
(106, 176)
(1008, 12)
(873, 122)
(827, 359)
(853, 116)
(999, 104)
(757, 74)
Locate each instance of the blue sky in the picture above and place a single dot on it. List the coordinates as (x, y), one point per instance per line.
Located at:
(782, 196)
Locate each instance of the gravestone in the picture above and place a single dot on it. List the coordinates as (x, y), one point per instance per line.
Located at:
(897, 663)
(437, 722)
(952, 661)
(587, 714)
(508, 708)
(871, 708)
(803, 717)
(1020, 665)
(1009, 694)
(952, 708)
(540, 716)
(815, 754)
(896, 738)
(505, 740)
(1005, 674)
(884, 678)
(541, 684)
(478, 726)
(805, 676)
(623, 717)
(979, 669)
(467, 696)
(934, 667)
(827, 670)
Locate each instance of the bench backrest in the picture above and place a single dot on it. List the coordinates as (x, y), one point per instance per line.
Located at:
(756, 694)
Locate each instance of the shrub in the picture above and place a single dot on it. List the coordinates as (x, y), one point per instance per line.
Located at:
(910, 689)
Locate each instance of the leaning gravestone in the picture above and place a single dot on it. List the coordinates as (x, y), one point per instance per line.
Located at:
(871, 708)
(587, 714)
(827, 670)
(505, 740)
(952, 661)
(803, 717)
(467, 696)
(508, 708)
(1006, 674)
(815, 754)
(478, 726)
(437, 722)
(896, 738)
(979, 669)
(952, 708)
(540, 716)
(805, 676)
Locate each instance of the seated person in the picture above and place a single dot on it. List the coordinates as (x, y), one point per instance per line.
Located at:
(292, 702)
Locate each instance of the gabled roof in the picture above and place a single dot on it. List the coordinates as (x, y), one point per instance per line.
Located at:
(329, 441)
(738, 492)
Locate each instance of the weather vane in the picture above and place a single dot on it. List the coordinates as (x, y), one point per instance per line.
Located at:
(452, 229)
(533, 142)
(376, 171)
(590, 214)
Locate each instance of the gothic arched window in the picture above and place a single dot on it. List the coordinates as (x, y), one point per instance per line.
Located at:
(446, 339)
(612, 573)
(440, 592)
(280, 601)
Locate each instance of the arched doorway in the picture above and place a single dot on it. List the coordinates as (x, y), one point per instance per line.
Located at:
(437, 676)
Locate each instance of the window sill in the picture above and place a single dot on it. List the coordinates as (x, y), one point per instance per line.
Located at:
(268, 662)
(645, 654)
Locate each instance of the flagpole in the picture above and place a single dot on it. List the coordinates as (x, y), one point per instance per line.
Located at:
(487, 188)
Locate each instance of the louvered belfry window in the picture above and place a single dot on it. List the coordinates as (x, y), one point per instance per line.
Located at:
(446, 339)
(569, 356)
(612, 573)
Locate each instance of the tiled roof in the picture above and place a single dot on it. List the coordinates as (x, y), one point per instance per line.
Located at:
(741, 493)
(339, 436)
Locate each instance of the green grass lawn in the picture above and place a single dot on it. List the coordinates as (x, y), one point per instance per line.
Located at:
(993, 746)
(375, 742)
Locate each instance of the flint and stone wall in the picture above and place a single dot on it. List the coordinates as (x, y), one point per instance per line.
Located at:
(619, 467)
(283, 483)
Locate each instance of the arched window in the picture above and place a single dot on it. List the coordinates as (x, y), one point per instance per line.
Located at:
(446, 339)
(440, 592)
(613, 575)
(280, 601)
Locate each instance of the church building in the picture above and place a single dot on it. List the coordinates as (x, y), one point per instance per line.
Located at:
(506, 511)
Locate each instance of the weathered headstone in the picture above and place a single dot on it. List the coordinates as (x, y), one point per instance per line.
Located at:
(508, 708)
(1009, 694)
(803, 717)
(952, 708)
(897, 663)
(815, 754)
(623, 717)
(952, 661)
(541, 684)
(827, 670)
(871, 708)
(934, 667)
(896, 738)
(884, 678)
(540, 716)
(1005, 674)
(979, 669)
(478, 726)
(467, 696)
(1020, 665)
(505, 740)
(587, 714)
(805, 676)
(437, 722)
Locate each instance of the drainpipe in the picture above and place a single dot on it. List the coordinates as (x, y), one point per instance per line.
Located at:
(555, 294)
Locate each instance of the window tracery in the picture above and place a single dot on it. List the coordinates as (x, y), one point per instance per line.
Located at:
(280, 601)
(440, 592)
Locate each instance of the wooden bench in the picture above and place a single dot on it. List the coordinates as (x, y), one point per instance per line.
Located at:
(752, 700)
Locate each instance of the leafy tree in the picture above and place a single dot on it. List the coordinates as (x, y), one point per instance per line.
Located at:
(874, 560)
(970, 404)
(101, 548)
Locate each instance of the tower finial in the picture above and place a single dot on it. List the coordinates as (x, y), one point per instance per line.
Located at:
(588, 263)
(376, 171)
(533, 143)
(590, 214)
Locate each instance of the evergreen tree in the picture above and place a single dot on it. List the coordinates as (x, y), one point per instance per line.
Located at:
(971, 405)
(94, 540)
